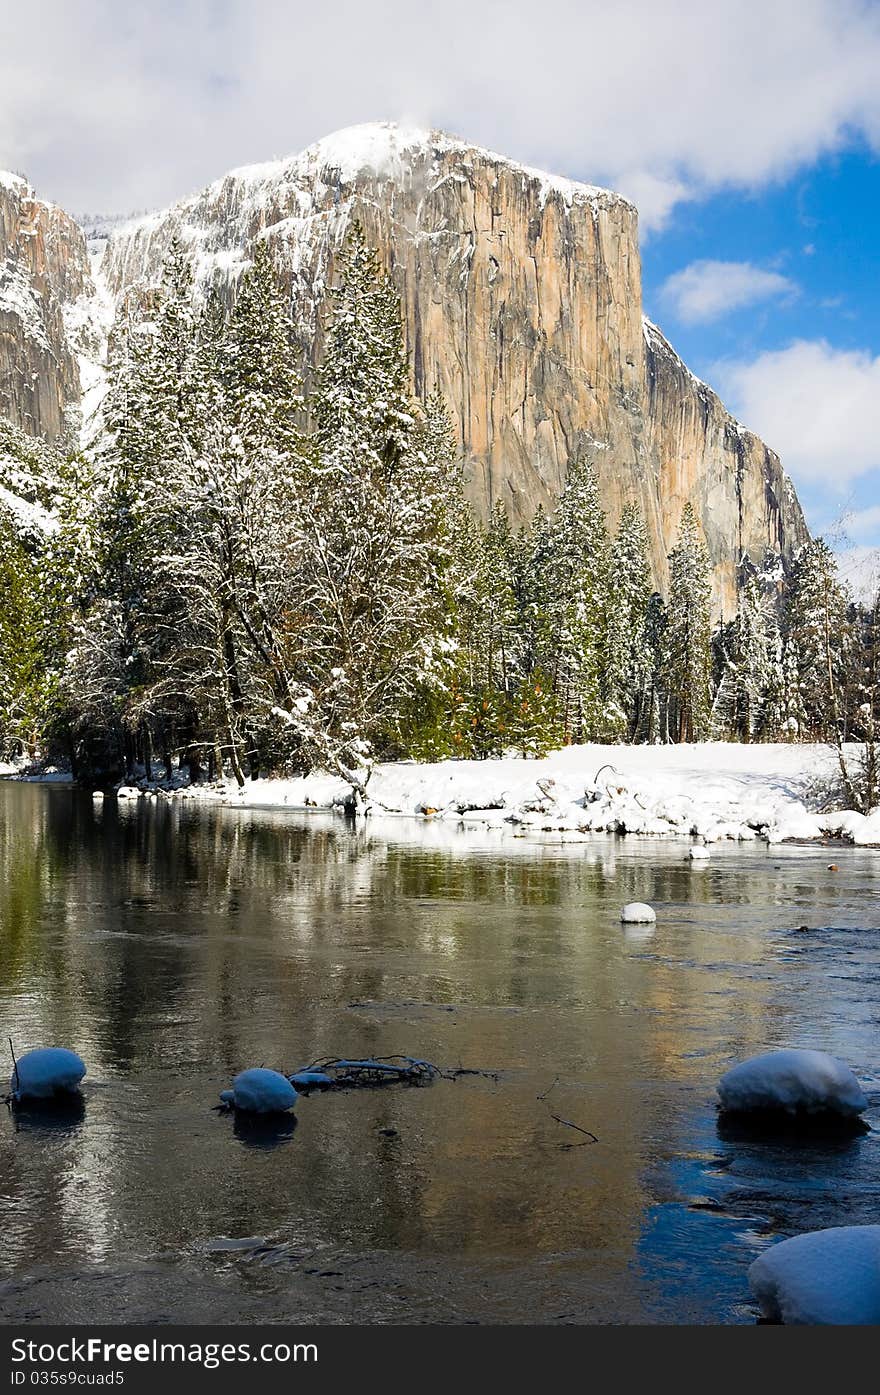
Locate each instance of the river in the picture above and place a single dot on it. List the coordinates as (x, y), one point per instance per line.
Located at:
(172, 945)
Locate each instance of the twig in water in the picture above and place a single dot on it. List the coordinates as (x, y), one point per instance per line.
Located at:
(379, 1070)
(554, 1083)
(8, 1099)
(569, 1125)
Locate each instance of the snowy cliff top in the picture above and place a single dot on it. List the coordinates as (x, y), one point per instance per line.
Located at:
(16, 183)
(385, 148)
(306, 200)
(381, 148)
(22, 188)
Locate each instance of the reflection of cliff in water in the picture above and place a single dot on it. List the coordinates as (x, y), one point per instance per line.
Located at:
(173, 944)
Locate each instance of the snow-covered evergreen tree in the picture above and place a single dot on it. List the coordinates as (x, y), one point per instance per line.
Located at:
(228, 504)
(687, 663)
(746, 702)
(371, 535)
(626, 663)
(653, 725)
(569, 569)
(817, 636)
(30, 621)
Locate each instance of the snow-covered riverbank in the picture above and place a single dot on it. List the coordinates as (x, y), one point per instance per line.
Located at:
(708, 792)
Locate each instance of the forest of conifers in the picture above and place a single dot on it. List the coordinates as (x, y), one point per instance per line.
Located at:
(244, 579)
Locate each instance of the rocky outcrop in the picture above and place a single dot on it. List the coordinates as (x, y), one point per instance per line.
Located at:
(45, 291)
(736, 484)
(521, 300)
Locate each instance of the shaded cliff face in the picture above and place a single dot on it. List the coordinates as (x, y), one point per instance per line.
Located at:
(698, 452)
(45, 291)
(521, 300)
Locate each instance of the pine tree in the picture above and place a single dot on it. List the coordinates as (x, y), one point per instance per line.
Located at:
(30, 619)
(569, 566)
(372, 535)
(653, 726)
(260, 378)
(687, 643)
(531, 725)
(745, 707)
(817, 637)
(227, 504)
(150, 389)
(626, 660)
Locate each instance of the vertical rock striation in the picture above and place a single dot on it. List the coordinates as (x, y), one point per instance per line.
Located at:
(44, 279)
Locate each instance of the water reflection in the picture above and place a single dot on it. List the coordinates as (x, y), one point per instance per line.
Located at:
(775, 1130)
(172, 946)
(62, 1114)
(263, 1131)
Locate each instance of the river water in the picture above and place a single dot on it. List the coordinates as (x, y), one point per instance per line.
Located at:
(174, 945)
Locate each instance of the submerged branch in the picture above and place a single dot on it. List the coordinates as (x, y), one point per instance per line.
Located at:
(569, 1125)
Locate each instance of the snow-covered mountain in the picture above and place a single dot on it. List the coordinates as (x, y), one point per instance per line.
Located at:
(521, 297)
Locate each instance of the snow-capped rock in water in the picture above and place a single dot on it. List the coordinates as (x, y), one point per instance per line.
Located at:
(792, 1082)
(260, 1091)
(698, 853)
(311, 1079)
(828, 1277)
(638, 913)
(45, 1072)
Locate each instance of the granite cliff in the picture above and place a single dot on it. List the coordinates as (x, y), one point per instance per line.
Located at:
(521, 298)
(46, 301)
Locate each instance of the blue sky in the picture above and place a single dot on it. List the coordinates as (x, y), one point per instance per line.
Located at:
(747, 131)
(810, 243)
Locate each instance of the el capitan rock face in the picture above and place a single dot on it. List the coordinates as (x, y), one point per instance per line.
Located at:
(521, 300)
(746, 503)
(44, 277)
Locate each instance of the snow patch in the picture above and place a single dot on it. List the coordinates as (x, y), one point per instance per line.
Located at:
(19, 298)
(15, 183)
(827, 1278)
(712, 791)
(87, 325)
(29, 519)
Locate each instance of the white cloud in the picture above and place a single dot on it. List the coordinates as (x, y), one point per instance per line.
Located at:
(706, 290)
(818, 406)
(119, 105)
(654, 197)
